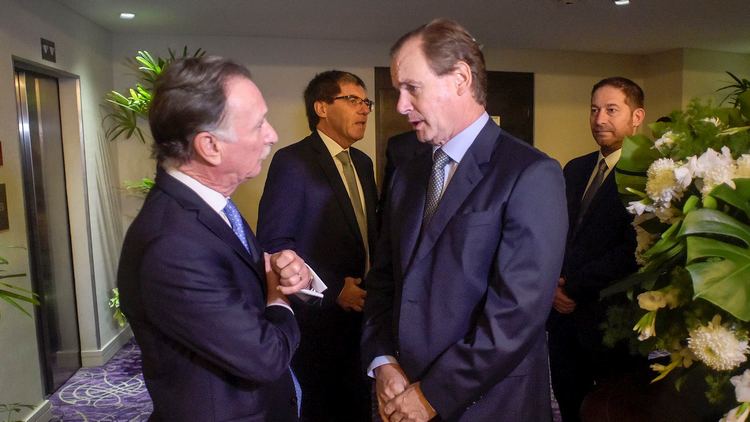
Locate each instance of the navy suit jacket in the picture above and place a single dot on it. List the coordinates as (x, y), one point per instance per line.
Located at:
(601, 249)
(305, 207)
(196, 300)
(463, 305)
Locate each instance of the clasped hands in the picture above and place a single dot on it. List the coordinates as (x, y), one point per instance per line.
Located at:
(286, 273)
(398, 400)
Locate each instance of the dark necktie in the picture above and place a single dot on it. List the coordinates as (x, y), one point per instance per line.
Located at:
(235, 220)
(591, 191)
(435, 186)
(351, 184)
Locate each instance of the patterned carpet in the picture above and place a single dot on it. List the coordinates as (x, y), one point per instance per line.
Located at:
(114, 392)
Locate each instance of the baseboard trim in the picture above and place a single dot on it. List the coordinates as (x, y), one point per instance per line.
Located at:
(43, 413)
(91, 358)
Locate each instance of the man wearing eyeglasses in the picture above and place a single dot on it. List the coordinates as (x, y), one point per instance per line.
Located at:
(319, 201)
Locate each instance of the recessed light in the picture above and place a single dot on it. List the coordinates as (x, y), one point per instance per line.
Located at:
(127, 15)
(622, 2)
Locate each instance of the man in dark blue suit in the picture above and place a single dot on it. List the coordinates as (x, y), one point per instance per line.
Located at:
(470, 250)
(206, 304)
(333, 228)
(600, 249)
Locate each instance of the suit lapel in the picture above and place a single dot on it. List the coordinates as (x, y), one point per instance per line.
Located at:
(468, 174)
(337, 185)
(411, 202)
(189, 200)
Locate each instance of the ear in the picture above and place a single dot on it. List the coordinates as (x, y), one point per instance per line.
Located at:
(638, 115)
(321, 109)
(463, 77)
(208, 147)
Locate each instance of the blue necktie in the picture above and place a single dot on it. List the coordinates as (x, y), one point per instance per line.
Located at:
(235, 219)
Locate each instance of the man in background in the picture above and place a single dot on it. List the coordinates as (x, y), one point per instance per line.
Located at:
(399, 150)
(206, 304)
(600, 249)
(470, 250)
(332, 226)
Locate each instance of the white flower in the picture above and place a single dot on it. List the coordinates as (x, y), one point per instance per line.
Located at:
(743, 167)
(661, 185)
(638, 207)
(713, 120)
(732, 415)
(714, 169)
(742, 386)
(652, 300)
(667, 140)
(684, 175)
(717, 346)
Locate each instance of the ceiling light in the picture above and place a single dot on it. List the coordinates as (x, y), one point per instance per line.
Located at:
(622, 2)
(127, 15)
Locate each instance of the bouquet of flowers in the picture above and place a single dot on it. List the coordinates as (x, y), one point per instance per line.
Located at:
(689, 190)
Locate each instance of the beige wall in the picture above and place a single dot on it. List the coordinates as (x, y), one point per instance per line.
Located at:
(83, 49)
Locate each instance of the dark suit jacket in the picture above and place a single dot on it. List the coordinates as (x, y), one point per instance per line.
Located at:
(196, 300)
(305, 207)
(399, 150)
(463, 309)
(601, 249)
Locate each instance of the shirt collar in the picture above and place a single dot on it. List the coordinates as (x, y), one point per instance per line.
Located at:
(214, 199)
(611, 159)
(333, 148)
(457, 146)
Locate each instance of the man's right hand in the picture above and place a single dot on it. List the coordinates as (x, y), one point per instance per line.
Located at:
(273, 294)
(390, 381)
(352, 297)
(562, 302)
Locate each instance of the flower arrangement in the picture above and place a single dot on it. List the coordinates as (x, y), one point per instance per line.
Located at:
(689, 190)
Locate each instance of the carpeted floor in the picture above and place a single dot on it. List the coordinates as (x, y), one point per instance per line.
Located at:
(114, 392)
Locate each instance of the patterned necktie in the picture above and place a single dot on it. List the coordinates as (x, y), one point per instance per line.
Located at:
(591, 191)
(235, 219)
(351, 183)
(435, 186)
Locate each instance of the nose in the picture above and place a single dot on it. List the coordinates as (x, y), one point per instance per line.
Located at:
(403, 106)
(599, 117)
(271, 137)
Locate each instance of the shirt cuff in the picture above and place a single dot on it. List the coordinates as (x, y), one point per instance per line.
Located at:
(316, 289)
(380, 361)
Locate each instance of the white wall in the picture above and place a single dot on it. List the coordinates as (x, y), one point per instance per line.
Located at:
(83, 49)
(282, 68)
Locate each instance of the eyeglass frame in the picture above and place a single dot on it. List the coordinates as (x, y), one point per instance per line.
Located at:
(356, 101)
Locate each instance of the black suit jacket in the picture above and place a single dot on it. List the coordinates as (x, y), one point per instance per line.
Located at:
(305, 207)
(400, 149)
(462, 305)
(601, 249)
(196, 300)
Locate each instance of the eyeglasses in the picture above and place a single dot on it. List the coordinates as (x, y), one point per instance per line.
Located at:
(356, 101)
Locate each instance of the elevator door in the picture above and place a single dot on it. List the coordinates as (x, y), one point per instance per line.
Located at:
(48, 228)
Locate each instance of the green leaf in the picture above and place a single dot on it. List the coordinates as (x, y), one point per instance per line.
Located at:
(720, 270)
(738, 198)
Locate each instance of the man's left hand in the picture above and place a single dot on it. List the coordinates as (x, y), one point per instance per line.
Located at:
(294, 275)
(410, 406)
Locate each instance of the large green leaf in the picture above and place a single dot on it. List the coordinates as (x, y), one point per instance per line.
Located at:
(720, 270)
(738, 198)
(638, 153)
